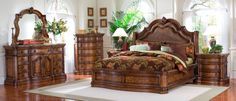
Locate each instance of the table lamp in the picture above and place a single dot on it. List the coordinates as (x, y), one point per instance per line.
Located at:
(120, 32)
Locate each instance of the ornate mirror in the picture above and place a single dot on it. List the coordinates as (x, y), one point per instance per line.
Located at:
(25, 28)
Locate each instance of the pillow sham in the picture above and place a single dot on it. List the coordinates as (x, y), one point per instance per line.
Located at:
(141, 47)
(183, 50)
(152, 45)
(166, 49)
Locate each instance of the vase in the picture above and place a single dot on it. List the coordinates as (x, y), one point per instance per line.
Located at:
(57, 38)
(212, 42)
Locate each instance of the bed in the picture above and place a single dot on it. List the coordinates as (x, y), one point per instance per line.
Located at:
(150, 71)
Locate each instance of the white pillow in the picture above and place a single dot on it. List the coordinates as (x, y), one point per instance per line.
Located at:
(141, 47)
(166, 49)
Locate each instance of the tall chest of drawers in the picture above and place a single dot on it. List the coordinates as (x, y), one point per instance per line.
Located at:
(88, 49)
(212, 69)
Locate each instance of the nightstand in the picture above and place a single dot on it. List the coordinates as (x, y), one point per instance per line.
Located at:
(212, 69)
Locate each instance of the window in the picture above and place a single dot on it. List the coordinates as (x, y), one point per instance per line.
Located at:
(144, 6)
(61, 9)
(210, 18)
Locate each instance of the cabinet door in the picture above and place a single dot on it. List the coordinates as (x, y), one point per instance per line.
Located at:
(22, 68)
(41, 66)
(58, 64)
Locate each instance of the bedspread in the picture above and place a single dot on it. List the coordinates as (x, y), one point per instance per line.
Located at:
(141, 61)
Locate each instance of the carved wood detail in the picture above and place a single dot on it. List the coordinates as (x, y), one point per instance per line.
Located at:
(21, 14)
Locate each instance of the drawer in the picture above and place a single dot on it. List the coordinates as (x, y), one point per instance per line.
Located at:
(40, 51)
(209, 61)
(210, 68)
(57, 50)
(210, 75)
(22, 52)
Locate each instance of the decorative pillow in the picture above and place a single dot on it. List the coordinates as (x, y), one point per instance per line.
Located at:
(166, 49)
(183, 51)
(143, 47)
(190, 50)
(152, 45)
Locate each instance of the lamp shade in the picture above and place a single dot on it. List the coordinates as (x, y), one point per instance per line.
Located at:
(120, 32)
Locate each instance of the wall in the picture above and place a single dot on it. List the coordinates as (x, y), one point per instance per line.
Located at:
(111, 6)
(231, 4)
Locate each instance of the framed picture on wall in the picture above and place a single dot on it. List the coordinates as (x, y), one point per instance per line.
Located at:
(90, 23)
(103, 12)
(90, 11)
(103, 23)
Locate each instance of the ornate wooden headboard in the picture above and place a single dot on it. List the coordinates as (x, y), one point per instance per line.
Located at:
(168, 30)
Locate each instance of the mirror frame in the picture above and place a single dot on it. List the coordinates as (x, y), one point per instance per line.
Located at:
(29, 11)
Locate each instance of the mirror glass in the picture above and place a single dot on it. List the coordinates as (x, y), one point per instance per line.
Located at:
(27, 24)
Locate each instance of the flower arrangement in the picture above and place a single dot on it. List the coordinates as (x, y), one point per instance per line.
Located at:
(57, 27)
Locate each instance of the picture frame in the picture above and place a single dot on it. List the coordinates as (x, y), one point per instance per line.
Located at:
(90, 23)
(103, 23)
(103, 12)
(90, 11)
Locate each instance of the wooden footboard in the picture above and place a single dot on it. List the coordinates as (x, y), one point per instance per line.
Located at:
(155, 82)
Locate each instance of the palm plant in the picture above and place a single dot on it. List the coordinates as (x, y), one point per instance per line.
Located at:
(130, 21)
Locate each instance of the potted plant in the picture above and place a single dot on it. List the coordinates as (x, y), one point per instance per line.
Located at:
(130, 21)
(216, 48)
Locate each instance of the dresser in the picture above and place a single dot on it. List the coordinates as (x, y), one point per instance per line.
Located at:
(88, 49)
(212, 69)
(34, 63)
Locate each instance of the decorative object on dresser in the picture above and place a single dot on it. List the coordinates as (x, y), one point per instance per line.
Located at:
(88, 49)
(34, 62)
(212, 69)
(57, 28)
(147, 71)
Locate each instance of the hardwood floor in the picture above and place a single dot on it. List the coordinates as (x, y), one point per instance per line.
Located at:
(10, 93)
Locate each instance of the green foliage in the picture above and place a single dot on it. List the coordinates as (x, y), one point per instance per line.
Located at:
(57, 27)
(38, 26)
(131, 21)
(216, 49)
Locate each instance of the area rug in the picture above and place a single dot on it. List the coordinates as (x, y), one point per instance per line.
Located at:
(81, 90)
